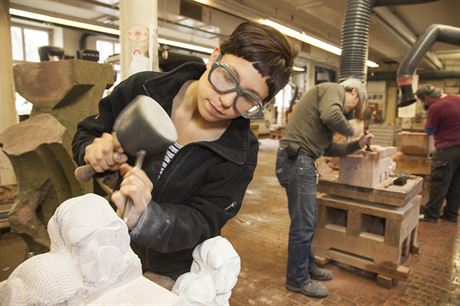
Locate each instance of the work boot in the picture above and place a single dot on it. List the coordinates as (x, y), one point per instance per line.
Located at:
(320, 274)
(312, 289)
(448, 218)
(425, 218)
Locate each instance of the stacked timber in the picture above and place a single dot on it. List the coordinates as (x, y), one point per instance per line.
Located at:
(365, 220)
(413, 157)
(277, 132)
(414, 148)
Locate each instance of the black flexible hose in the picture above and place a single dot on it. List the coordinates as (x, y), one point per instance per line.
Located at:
(400, 2)
(433, 33)
(355, 34)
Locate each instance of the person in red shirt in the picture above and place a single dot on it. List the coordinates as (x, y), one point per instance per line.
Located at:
(444, 124)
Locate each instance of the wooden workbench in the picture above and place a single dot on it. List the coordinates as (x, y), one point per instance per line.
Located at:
(384, 193)
(374, 229)
(376, 238)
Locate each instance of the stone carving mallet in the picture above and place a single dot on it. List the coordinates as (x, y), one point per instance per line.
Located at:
(143, 128)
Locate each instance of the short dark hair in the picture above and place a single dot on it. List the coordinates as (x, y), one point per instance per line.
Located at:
(268, 49)
(428, 90)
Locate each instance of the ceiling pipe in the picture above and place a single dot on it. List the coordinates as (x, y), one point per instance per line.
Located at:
(393, 24)
(400, 2)
(434, 33)
(423, 75)
(355, 36)
(354, 41)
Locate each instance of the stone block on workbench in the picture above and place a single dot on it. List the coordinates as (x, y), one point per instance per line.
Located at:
(367, 169)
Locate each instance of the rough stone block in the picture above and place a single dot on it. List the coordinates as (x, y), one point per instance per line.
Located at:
(367, 169)
(39, 149)
(68, 89)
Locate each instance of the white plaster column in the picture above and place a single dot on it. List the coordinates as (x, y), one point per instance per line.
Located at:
(138, 36)
(8, 115)
(310, 79)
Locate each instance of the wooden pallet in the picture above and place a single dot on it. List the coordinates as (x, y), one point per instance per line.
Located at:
(375, 238)
(384, 193)
(276, 134)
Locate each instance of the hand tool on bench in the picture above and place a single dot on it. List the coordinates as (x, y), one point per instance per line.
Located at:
(143, 129)
(368, 146)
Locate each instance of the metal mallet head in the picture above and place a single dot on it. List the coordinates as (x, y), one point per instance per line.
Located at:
(142, 125)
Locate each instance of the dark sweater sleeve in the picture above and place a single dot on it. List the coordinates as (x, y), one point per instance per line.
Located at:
(342, 149)
(109, 108)
(171, 227)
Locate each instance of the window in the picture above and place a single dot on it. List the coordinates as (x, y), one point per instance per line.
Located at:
(107, 48)
(23, 107)
(26, 41)
(18, 48)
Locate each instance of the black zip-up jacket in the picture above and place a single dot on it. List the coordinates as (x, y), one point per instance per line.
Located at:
(198, 192)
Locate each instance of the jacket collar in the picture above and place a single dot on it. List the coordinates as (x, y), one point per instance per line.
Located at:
(164, 86)
(234, 142)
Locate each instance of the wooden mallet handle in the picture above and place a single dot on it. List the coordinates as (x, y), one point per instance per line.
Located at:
(84, 173)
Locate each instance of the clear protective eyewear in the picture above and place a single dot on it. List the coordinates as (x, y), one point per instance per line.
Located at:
(225, 80)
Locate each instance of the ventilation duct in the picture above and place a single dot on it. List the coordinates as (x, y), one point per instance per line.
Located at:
(354, 41)
(433, 33)
(400, 2)
(355, 33)
(423, 75)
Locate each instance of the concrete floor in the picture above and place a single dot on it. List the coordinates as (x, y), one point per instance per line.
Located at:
(259, 234)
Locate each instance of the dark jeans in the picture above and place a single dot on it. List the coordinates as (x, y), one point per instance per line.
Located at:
(445, 183)
(299, 177)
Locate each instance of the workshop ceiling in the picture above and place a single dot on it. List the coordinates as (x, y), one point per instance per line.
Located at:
(393, 29)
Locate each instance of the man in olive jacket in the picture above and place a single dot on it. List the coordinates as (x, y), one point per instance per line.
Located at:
(319, 114)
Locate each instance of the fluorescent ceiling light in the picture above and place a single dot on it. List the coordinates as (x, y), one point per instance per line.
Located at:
(93, 27)
(308, 39)
(372, 64)
(100, 29)
(185, 45)
(298, 69)
(62, 21)
(302, 37)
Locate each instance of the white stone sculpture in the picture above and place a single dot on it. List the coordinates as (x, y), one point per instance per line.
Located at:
(213, 274)
(90, 261)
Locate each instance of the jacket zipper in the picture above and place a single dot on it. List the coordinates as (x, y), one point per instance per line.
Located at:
(231, 205)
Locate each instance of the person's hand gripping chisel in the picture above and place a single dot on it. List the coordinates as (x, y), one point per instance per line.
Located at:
(365, 140)
(137, 187)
